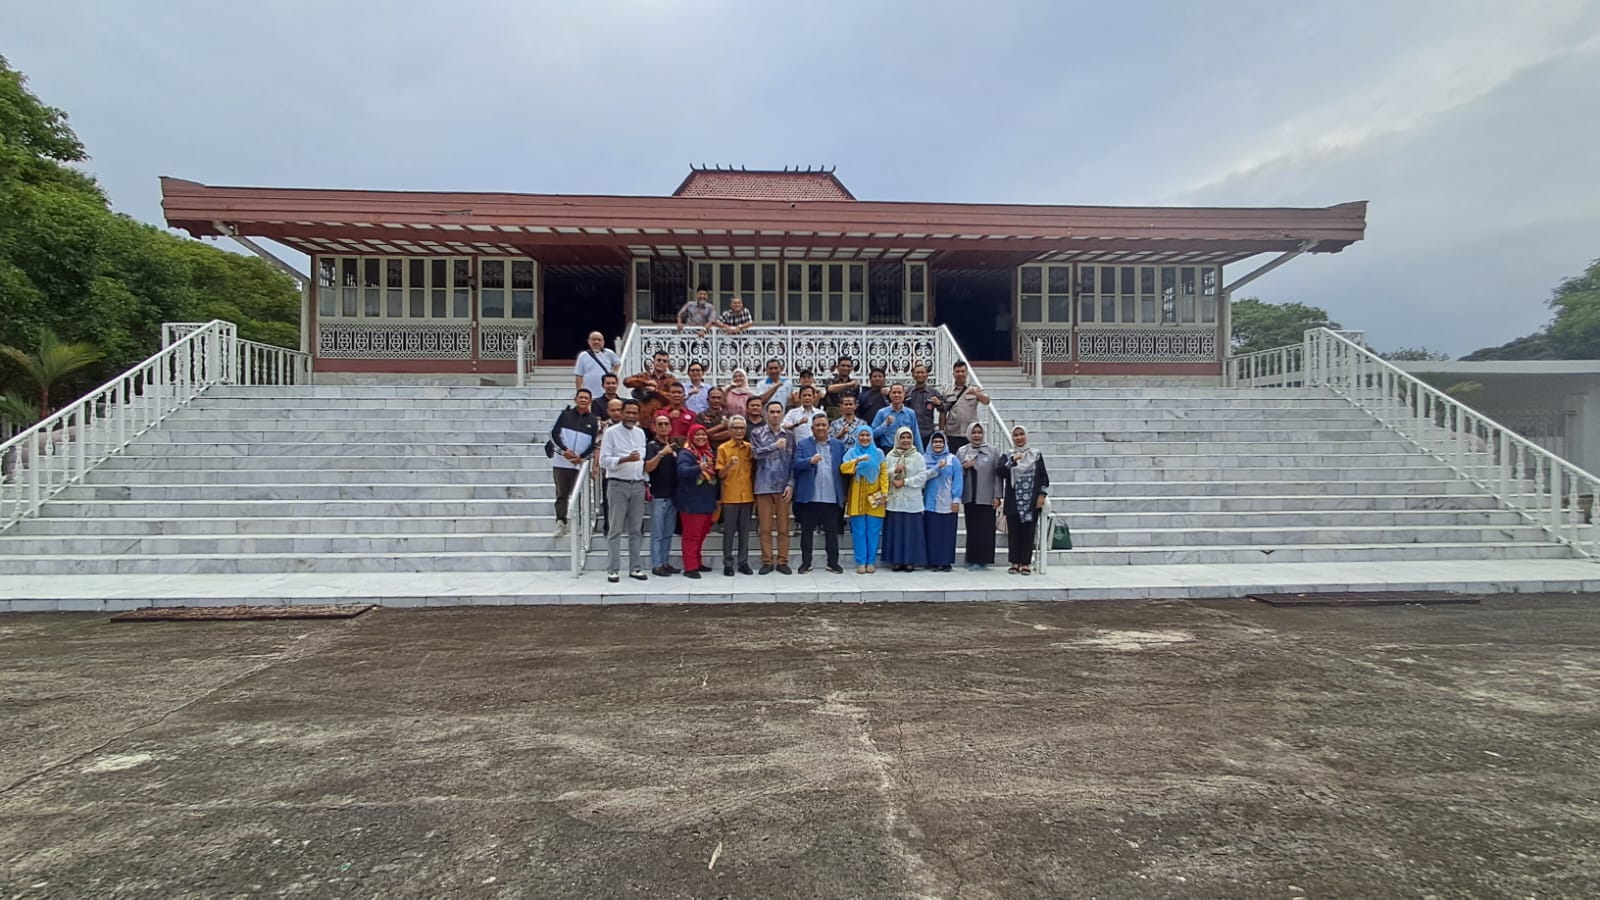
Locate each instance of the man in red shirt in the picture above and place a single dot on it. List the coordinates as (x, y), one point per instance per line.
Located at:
(682, 417)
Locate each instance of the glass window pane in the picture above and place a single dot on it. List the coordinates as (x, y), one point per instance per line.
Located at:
(747, 277)
(394, 273)
(836, 277)
(462, 305)
(919, 278)
(494, 274)
(440, 268)
(348, 265)
(707, 277)
(1147, 308)
(814, 307)
(492, 304)
(1108, 308)
(857, 275)
(641, 306)
(1127, 279)
(327, 300)
(794, 277)
(641, 274)
(1032, 308)
(769, 305)
(461, 270)
(1147, 279)
(1061, 307)
(1127, 308)
(352, 302)
(522, 304)
(814, 277)
(419, 273)
(1188, 280)
(919, 308)
(395, 305)
(373, 299)
(1208, 280)
(371, 271)
(1061, 279)
(419, 303)
(726, 282)
(1208, 307)
(1085, 307)
(439, 309)
(858, 307)
(835, 307)
(522, 275)
(1032, 282)
(769, 276)
(327, 271)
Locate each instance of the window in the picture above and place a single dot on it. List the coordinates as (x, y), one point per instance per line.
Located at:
(825, 292)
(916, 294)
(642, 311)
(1045, 292)
(397, 288)
(1128, 295)
(755, 281)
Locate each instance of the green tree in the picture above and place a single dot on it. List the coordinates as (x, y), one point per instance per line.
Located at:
(1574, 333)
(1415, 354)
(1266, 326)
(72, 267)
(51, 365)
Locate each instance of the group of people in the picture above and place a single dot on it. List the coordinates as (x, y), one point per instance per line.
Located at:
(898, 464)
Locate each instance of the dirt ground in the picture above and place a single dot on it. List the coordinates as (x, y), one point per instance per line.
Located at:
(1182, 749)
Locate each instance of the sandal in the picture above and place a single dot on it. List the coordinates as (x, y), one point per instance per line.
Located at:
(1012, 571)
(1025, 571)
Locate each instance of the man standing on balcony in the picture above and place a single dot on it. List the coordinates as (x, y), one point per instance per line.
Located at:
(774, 388)
(622, 458)
(573, 440)
(961, 406)
(773, 447)
(594, 364)
(892, 418)
(924, 400)
(874, 397)
(736, 318)
(843, 384)
(698, 313)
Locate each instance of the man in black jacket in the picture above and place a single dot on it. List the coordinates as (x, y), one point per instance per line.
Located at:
(574, 437)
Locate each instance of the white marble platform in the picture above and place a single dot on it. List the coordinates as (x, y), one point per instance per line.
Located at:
(106, 593)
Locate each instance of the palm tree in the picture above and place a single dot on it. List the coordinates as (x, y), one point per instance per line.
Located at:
(55, 360)
(18, 410)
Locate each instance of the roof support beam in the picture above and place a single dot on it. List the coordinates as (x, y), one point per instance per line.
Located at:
(264, 253)
(1305, 247)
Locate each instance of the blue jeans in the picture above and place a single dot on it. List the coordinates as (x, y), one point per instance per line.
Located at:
(663, 514)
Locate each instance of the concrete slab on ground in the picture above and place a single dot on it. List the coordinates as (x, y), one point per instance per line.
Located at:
(1153, 749)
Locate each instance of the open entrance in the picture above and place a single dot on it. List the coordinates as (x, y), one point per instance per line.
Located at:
(578, 300)
(976, 304)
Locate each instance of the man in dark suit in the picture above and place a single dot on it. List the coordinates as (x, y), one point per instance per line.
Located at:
(819, 492)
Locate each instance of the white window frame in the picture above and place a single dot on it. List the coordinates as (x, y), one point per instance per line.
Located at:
(1044, 295)
(912, 300)
(509, 263)
(813, 305)
(455, 293)
(766, 307)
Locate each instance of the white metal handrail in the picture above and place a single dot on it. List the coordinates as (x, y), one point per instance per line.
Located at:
(260, 364)
(1279, 367)
(43, 460)
(1549, 491)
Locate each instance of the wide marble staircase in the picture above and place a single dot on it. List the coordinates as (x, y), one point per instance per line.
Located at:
(414, 479)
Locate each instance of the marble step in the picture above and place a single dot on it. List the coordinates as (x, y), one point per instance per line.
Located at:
(527, 449)
(1147, 535)
(365, 491)
(364, 420)
(525, 476)
(141, 458)
(1415, 470)
(1069, 465)
(1098, 406)
(373, 391)
(540, 561)
(311, 544)
(1315, 553)
(544, 507)
(399, 411)
(1276, 520)
(473, 433)
(1222, 448)
(1431, 484)
(1114, 392)
(1297, 503)
(1054, 434)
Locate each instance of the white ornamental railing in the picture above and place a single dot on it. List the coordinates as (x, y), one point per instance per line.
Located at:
(254, 363)
(1549, 491)
(1279, 368)
(818, 349)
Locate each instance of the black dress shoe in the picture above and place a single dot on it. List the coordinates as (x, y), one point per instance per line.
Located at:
(837, 570)
(705, 569)
(766, 569)
(695, 574)
(744, 569)
(783, 569)
(804, 569)
(728, 571)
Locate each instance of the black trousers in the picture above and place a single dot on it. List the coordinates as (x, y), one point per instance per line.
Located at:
(566, 479)
(1019, 539)
(955, 442)
(980, 533)
(815, 516)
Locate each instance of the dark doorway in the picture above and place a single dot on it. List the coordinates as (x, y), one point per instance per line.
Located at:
(581, 299)
(976, 304)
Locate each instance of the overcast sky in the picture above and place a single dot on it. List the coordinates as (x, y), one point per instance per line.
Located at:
(1472, 127)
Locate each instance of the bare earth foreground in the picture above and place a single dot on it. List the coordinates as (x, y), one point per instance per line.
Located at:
(1112, 750)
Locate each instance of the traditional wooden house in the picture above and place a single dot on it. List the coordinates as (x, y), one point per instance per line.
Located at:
(407, 282)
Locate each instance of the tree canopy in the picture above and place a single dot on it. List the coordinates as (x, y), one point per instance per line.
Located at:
(1258, 325)
(1574, 333)
(71, 266)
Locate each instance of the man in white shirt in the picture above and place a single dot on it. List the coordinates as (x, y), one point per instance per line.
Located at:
(798, 420)
(622, 459)
(593, 364)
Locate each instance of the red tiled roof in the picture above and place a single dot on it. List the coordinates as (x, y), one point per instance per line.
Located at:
(762, 185)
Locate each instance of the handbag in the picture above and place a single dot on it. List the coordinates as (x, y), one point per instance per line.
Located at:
(550, 449)
(1060, 534)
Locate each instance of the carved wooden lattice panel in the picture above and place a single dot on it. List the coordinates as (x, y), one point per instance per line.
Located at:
(1147, 345)
(370, 341)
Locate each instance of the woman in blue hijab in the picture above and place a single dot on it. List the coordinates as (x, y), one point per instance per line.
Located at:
(868, 495)
(941, 503)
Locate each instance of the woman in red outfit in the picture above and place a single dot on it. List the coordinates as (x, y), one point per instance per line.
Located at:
(696, 499)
